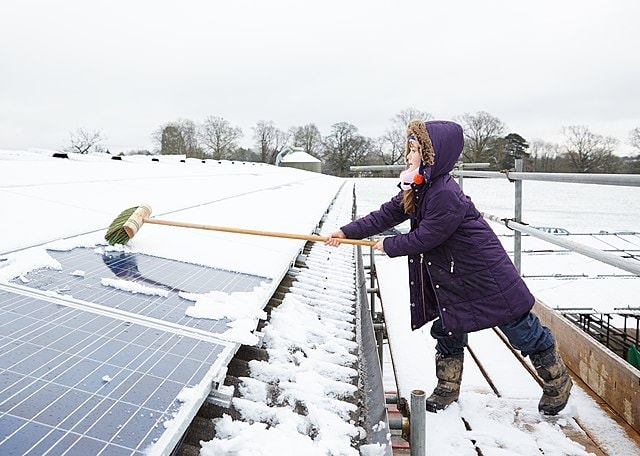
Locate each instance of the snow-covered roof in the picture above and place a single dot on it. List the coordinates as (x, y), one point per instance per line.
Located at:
(67, 204)
(299, 157)
(60, 209)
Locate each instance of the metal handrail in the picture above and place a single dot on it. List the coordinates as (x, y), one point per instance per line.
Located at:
(399, 167)
(592, 252)
(517, 176)
(627, 180)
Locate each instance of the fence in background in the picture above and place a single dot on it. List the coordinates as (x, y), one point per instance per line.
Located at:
(516, 224)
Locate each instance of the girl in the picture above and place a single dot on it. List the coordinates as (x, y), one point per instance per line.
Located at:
(460, 276)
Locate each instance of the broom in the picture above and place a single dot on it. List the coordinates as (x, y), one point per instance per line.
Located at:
(127, 224)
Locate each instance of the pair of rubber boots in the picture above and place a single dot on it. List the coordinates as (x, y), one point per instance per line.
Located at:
(548, 364)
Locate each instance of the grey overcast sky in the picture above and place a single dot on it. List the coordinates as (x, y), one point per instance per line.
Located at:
(126, 67)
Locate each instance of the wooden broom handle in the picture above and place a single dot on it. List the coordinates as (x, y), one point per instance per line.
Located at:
(306, 237)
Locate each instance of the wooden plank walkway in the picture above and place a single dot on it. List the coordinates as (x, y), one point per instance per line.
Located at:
(506, 384)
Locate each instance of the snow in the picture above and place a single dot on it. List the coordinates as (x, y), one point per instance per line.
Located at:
(507, 425)
(62, 204)
(299, 157)
(579, 208)
(489, 416)
(243, 309)
(133, 287)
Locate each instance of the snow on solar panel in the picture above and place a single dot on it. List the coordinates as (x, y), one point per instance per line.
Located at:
(75, 381)
(94, 356)
(102, 277)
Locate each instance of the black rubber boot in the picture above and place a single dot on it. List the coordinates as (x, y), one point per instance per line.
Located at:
(557, 384)
(449, 373)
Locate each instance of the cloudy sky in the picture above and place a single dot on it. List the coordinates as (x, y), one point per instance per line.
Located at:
(126, 67)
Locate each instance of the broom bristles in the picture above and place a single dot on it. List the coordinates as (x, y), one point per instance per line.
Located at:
(116, 233)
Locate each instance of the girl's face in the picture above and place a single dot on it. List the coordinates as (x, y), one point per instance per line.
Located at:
(414, 157)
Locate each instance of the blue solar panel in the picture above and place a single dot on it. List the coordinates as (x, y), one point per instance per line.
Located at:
(169, 276)
(77, 382)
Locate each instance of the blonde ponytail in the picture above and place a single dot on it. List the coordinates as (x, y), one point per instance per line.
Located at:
(407, 201)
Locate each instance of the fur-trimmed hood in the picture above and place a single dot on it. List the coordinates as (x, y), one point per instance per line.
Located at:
(441, 142)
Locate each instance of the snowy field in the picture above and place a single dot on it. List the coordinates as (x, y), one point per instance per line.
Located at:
(579, 208)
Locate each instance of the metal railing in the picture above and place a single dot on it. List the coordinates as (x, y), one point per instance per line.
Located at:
(516, 224)
(416, 422)
(368, 168)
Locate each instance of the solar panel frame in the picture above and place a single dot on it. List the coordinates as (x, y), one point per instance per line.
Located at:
(51, 348)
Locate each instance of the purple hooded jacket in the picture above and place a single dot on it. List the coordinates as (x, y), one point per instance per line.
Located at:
(458, 269)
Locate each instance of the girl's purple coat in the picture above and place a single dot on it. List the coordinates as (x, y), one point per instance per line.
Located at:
(458, 269)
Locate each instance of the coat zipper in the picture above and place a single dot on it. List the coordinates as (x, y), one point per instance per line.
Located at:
(435, 295)
(451, 261)
(422, 278)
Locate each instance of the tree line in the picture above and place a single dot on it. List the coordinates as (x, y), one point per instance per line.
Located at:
(487, 140)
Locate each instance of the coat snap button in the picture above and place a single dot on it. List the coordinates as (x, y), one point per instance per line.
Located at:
(412, 282)
(429, 263)
(444, 309)
(413, 304)
(450, 333)
(411, 260)
(437, 286)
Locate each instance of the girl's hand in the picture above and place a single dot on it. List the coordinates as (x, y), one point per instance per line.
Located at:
(334, 238)
(379, 245)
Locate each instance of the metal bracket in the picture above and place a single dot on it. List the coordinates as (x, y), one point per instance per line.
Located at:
(221, 395)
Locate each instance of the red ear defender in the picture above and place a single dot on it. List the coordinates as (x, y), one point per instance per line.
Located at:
(418, 179)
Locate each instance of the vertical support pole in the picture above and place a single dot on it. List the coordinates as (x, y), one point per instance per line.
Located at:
(517, 235)
(372, 284)
(418, 425)
(378, 332)
(380, 344)
(460, 176)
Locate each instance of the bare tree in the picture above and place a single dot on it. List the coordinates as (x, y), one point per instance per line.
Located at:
(401, 119)
(218, 137)
(270, 141)
(588, 152)
(482, 134)
(544, 156)
(82, 141)
(391, 144)
(308, 137)
(634, 138)
(189, 131)
(344, 147)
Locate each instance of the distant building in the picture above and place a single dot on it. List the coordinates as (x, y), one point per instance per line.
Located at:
(297, 158)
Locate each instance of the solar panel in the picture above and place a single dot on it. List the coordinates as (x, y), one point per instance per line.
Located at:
(77, 381)
(84, 269)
